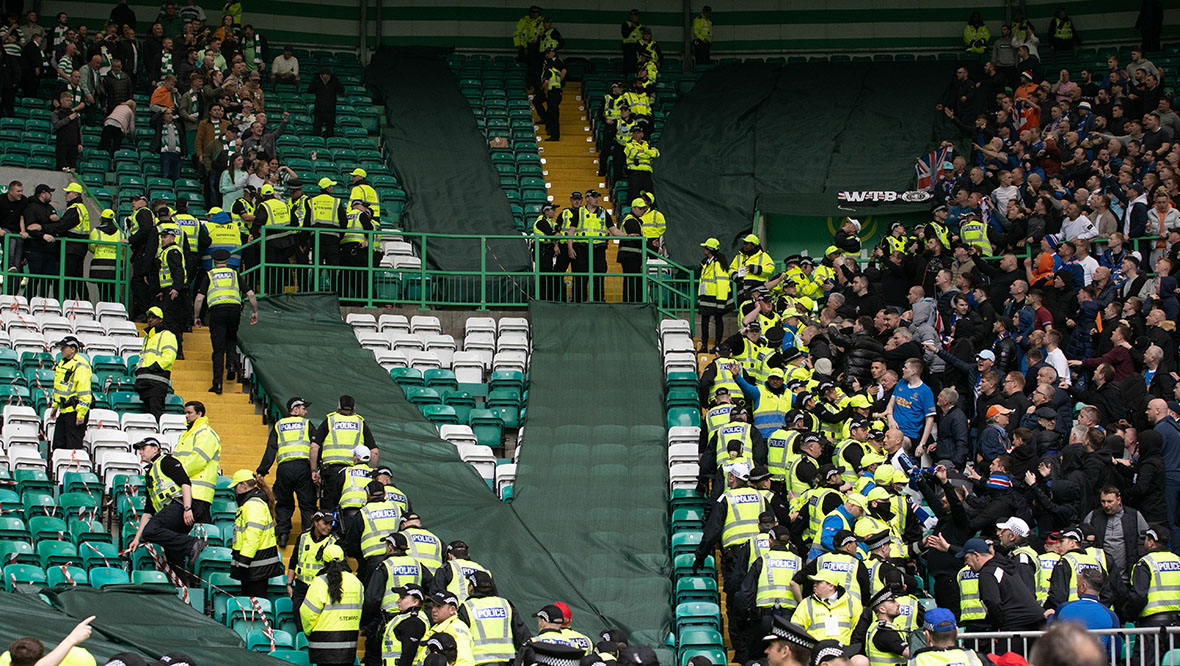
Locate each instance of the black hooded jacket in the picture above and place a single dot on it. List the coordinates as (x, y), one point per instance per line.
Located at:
(1144, 483)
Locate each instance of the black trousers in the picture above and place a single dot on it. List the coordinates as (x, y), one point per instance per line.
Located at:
(548, 105)
(700, 50)
(278, 256)
(223, 334)
(717, 316)
(353, 282)
(152, 393)
(1145, 645)
(581, 264)
(351, 525)
(293, 485)
(638, 182)
(202, 512)
(104, 269)
(330, 487)
(630, 56)
(167, 530)
(298, 594)
(550, 283)
(632, 264)
(67, 434)
(111, 139)
(254, 588)
(141, 296)
(67, 155)
(323, 123)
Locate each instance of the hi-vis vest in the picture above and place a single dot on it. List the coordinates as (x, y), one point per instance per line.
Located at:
(460, 570)
(278, 213)
(824, 621)
(223, 287)
(774, 582)
(294, 439)
(946, 657)
(298, 207)
(1045, 564)
(974, 233)
(226, 237)
(159, 348)
(849, 474)
(796, 487)
(199, 451)
(780, 452)
(878, 657)
(714, 285)
(391, 646)
(332, 627)
(552, 76)
(490, 619)
(717, 416)
(772, 409)
(191, 227)
(106, 252)
(723, 379)
(759, 546)
(71, 385)
(354, 226)
(324, 208)
(353, 490)
(1163, 591)
(592, 224)
(398, 497)
(743, 506)
(907, 618)
(895, 244)
(365, 192)
(344, 433)
(310, 559)
(815, 502)
(424, 547)
(83, 228)
(640, 103)
(164, 489)
(736, 430)
(167, 279)
(379, 519)
(400, 570)
(970, 606)
(610, 106)
(1076, 562)
(842, 564)
(749, 279)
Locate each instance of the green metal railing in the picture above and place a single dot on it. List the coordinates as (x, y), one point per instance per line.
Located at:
(52, 281)
(670, 286)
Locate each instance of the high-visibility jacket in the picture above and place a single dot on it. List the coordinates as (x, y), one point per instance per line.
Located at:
(879, 657)
(640, 103)
(907, 617)
(743, 506)
(815, 502)
(463, 641)
(749, 276)
(895, 244)
(771, 412)
(254, 538)
(942, 232)
(833, 621)
(1046, 562)
(723, 378)
(82, 230)
(1100, 557)
(970, 605)
(974, 232)
(164, 489)
(593, 224)
(528, 30)
(717, 416)
(226, 237)
(552, 75)
(106, 252)
(946, 657)
(845, 565)
(751, 356)
(400, 570)
(379, 520)
(973, 34)
(298, 207)
(398, 497)
(1076, 561)
(364, 192)
(425, 547)
(354, 491)
(309, 559)
(167, 279)
(636, 34)
(898, 521)
(344, 433)
(237, 218)
(652, 222)
(796, 486)
(735, 431)
(866, 525)
(849, 474)
(702, 29)
(639, 156)
(567, 637)
(223, 288)
(159, 348)
(324, 211)
(738, 465)
(460, 570)
(610, 106)
(332, 627)
(623, 128)
(191, 227)
(391, 645)
(293, 434)
(71, 386)
(547, 41)
(780, 452)
(714, 286)
(774, 581)
(278, 213)
(490, 621)
(759, 545)
(355, 228)
(1163, 592)
(199, 451)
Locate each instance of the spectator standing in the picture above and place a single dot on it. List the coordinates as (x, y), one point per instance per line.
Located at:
(1150, 24)
(34, 64)
(117, 85)
(1117, 530)
(128, 50)
(326, 87)
(702, 35)
(67, 128)
(262, 140)
(1165, 424)
(254, 49)
(911, 407)
(285, 68)
(191, 109)
(169, 142)
(122, 16)
(119, 123)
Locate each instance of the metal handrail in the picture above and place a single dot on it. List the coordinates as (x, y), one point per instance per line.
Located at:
(59, 281)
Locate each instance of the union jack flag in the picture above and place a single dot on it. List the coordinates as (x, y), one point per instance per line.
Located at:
(930, 167)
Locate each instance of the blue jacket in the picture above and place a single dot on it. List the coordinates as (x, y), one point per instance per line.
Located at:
(1088, 612)
(1170, 430)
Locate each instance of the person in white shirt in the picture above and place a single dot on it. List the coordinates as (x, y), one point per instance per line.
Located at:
(1089, 263)
(285, 68)
(1077, 227)
(1005, 192)
(1053, 354)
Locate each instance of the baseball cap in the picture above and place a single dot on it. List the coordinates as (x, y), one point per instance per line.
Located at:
(832, 249)
(267, 189)
(107, 213)
(712, 244)
(397, 540)
(783, 630)
(443, 598)
(843, 538)
(639, 202)
(857, 499)
(156, 312)
(974, 545)
(326, 182)
(1016, 525)
(74, 187)
(780, 533)
(827, 576)
(550, 613)
(860, 400)
(43, 188)
(333, 553)
(751, 238)
(997, 409)
(939, 620)
(146, 441)
(361, 452)
(871, 459)
(878, 494)
(359, 172)
(774, 372)
(480, 579)
(986, 354)
(69, 341)
(297, 402)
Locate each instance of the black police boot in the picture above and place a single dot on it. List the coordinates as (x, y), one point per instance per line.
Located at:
(216, 388)
(231, 374)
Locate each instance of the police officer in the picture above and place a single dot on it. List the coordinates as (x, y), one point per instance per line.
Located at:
(497, 630)
(751, 267)
(71, 396)
(632, 30)
(766, 590)
(451, 577)
(733, 519)
(142, 236)
(589, 251)
(444, 615)
(639, 154)
(379, 517)
(425, 546)
(405, 624)
(106, 239)
(548, 100)
(363, 191)
(153, 375)
(630, 254)
(279, 247)
(550, 629)
(1063, 583)
(255, 555)
(942, 643)
(1154, 596)
(221, 231)
(328, 214)
(224, 288)
(331, 449)
(354, 245)
(307, 559)
(354, 494)
(702, 35)
(76, 223)
(844, 561)
(331, 612)
(384, 476)
(569, 216)
(290, 444)
(173, 285)
(167, 515)
(297, 201)
(190, 228)
(392, 570)
(788, 644)
(829, 612)
(884, 644)
(547, 224)
(199, 450)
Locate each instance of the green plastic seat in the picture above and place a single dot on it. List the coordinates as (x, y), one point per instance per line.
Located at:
(423, 396)
(440, 414)
(87, 530)
(696, 588)
(38, 503)
(48, 528)
(293, 656)
(698, 614)
(12, 527)
(223, 510)
(699, 638)
(63, 576)
(54, 553)
(714, 655)
(675, 380)
(441, 380)
(101, 577)
(173, 404)
(687, 518)
(9, 501)
(213, 559)
(682, 397)
(407, 378)
(79, 506)
(22, 574)
(682, 566)
(487, 425)
(150, 578)
(18, 552)
(462, 402)
(684, 416)
(81, 482)
(685, 542)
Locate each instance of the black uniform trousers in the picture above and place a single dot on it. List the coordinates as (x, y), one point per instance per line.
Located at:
(293, 485)
(638, 181)
(141, 296)
(331, 485)
(632, 263)
(582, 264)
(67, 434)
(548, 105)
(298, 594)
(561, 264)
(550, 282)
(223, 334)
(153, 394)
(277, 253)
(353, 255)
(167, 530)
(733, 570)
(1146, 650)
(700, 50)
(176, 314)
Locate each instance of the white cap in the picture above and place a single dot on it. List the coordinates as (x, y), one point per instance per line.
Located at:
(1016, 525)
(856, 223)
(361, 453)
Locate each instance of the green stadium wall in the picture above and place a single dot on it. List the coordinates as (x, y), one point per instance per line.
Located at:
(739, 25)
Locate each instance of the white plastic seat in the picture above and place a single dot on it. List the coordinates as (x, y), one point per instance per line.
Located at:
(505, 476)
(70, 460)
(104, 419)
(468, 367)
(479, 325)
(675, 326)
(99, 344)
(138, 426)
(443, 346)
(76, 308)
(513, 341)
(480, 457)
(393, 324)
(24, 340)
(404, 263)
(19, 321)
(115, 440)
(361, 322)
(48, 422)
(425, 324)
(119, 328)
(44, 305)
(55, 326)
(683, 435)
(20, 414)
(108, 311)
(112, 463)
(407, 343)
(87, 326)
(677, 342)
(683, 475)
(371, 340)
(14, 303)
(680, 362)
(128, 346)
(683, 453)
(24, 456)
(424, 360)
(390, 359)
(514, 325)
(457, 434)
(397, 248)
(511, 360)
(21, 433)
(170, 423)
